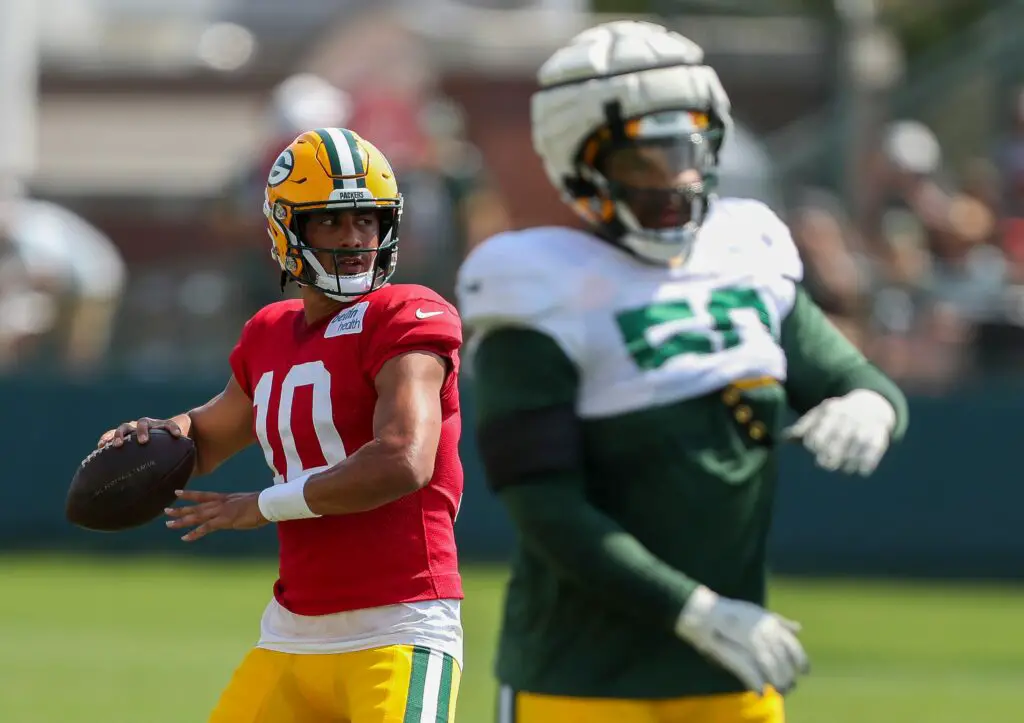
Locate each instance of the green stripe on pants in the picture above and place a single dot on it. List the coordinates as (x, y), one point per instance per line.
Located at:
(417, 683)
(444, 695)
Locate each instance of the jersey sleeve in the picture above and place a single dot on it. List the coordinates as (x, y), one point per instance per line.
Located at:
(517, 280)
(415, 324)
(822, 363)
(239, 359)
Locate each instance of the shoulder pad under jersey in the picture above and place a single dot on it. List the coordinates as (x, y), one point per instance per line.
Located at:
(395, 295)
(520, 277)
(526, 279)
(776, 251)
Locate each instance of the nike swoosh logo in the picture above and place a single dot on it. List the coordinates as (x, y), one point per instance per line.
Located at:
(421, 314)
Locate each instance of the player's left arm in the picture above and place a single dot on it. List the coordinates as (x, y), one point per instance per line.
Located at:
(851, 410)
(406, 433)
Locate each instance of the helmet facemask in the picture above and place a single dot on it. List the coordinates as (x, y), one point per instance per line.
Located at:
(327, 269)
(650, 180)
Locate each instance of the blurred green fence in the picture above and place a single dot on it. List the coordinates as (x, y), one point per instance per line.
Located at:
(949, 501)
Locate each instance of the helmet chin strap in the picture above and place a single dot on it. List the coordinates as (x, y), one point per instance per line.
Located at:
(613, 116)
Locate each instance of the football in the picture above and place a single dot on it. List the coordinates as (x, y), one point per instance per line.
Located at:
(117, 488)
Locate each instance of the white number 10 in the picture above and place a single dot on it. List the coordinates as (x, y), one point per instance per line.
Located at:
(309, 374)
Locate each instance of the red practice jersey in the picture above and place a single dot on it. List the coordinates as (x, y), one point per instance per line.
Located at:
(313, 395)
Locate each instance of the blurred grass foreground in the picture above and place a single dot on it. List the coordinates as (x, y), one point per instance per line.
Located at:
(96, 640)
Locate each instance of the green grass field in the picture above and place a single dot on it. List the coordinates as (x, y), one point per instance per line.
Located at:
(154, 641)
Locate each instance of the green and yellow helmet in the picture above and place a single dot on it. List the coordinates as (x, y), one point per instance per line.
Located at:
(331, 169)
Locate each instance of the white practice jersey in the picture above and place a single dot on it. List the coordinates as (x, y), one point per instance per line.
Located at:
(644, 335)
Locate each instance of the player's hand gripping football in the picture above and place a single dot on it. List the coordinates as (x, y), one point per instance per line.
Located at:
(215, 511)
(140, 428)
(849, 433)
(757, 646)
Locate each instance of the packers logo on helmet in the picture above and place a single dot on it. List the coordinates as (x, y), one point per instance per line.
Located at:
(282, 168)
(331, 169)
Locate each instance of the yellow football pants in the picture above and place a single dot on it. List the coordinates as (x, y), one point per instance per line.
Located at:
(394, 684)
(515, 707)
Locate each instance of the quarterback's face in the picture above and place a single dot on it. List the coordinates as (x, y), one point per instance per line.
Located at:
(652, 180)
(345, 241)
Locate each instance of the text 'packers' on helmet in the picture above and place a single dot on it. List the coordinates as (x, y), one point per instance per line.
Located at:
(629, 122)
(332, 169)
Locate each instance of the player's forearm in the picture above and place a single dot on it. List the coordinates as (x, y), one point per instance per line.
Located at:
(377, 474)
(589, 548)
(207, 457)
(822, 363)
(219, 429)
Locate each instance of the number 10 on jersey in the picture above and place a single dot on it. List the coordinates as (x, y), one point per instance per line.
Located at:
(312, 374)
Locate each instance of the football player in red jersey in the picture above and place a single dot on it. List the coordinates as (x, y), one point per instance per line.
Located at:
(352, 393)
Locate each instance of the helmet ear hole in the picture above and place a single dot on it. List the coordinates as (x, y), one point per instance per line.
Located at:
(293, 265)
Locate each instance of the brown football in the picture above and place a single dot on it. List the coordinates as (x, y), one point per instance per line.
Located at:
(117, 488)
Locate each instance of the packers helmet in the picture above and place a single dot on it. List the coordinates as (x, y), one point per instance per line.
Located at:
(331, 169)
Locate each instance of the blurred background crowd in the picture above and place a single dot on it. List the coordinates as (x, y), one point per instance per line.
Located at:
(136, 136)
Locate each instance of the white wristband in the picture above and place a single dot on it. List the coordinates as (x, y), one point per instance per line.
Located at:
(286, 501)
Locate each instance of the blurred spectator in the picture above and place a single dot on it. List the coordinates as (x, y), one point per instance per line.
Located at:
(482, 210)
(62, 284)
(926, 292)
(834, 267)
(908, 176)
(299, 103)
(1010, 162)
(25, 313)
(982, 182)
(451, 204)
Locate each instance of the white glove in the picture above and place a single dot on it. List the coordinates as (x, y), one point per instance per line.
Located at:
(850, 433)
(757, 646)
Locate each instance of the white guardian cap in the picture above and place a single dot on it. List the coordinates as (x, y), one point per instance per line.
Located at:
(629, 122)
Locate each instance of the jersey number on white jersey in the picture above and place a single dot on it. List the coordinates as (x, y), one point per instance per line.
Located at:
(658, 332)
(312, 374)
